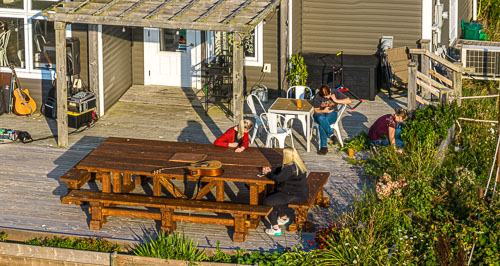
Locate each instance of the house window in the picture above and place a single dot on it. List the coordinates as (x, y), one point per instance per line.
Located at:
(44, 44)
(14, 4)
(30, 44)
(42, 4)
(172, 40)
(253, 47)
(12, 43)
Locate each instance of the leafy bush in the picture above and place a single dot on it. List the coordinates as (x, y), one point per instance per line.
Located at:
(3, 236)
(91, 244)
(175, 246)
(359, 142)
(297, 71)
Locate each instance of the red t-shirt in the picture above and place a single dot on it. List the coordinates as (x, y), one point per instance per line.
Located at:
(380, 129)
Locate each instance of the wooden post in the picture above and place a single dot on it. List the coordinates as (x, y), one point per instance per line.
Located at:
(412, 86)
(457, 84)
(94, 64)
(425, 65)
(62, 85)
(238, 95)
(283, 46)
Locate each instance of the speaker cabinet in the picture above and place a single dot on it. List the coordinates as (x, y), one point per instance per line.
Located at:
(73, 55)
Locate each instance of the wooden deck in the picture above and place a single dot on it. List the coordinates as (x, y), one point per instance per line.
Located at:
(30, 191)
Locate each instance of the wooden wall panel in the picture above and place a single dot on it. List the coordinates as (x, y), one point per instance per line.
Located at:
(355, 27)
(117, 63)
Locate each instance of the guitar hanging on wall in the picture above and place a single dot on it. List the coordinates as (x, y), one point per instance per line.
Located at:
(23, 103)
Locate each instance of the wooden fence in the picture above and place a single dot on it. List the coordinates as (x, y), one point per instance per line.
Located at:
(427, 84)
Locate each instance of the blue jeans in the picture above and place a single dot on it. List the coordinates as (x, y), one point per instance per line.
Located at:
(324, 121)
(384, 142)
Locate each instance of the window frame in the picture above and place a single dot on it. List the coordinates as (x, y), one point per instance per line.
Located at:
(28, 15)
(258, 59)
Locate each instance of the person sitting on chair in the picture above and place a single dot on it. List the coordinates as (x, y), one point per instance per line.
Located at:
(236, 137)
(291, 187)
(385, 130)
(325, 113)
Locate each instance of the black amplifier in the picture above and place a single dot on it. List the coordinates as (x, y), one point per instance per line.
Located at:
(82, 102)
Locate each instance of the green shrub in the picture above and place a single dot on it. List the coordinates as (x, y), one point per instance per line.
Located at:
(359, 142)
(3, 236)
(91, 244)
(175, 246)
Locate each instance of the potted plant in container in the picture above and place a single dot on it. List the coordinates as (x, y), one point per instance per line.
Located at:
(297, 70)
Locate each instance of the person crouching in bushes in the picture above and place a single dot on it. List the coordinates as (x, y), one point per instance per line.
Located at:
(291, 187)
(236, 137)
(385, 130)
(325, 113)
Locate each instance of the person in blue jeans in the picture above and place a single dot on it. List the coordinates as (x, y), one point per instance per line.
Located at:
(385, 130)
(325, 113)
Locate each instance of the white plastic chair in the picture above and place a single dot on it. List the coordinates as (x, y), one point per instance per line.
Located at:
(4, 40)
(300, 92)
(251, 99)
(275, 129)
(334, 126)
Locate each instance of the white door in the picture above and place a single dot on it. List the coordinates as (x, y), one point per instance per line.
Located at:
(172, 58)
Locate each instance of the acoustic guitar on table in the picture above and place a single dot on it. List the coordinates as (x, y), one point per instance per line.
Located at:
(203, 168)
(23, 103)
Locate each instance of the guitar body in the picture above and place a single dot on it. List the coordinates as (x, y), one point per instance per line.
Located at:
(203, 168)
(23, 103)
(206, 168)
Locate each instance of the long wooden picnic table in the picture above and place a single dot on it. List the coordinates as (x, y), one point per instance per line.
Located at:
(116, 160)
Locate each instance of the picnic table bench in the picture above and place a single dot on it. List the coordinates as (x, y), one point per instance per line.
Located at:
(105, 204)
(316, 181)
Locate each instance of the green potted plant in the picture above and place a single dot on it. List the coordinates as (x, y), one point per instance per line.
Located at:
(297, 70)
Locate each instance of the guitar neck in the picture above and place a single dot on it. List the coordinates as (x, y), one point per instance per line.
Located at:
(18, 83)
(157, 171)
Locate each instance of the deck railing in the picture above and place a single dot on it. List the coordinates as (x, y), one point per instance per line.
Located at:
(427, 84)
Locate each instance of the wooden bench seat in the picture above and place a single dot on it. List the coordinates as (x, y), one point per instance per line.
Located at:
(316, 181)
(75, 178)
(104, 204)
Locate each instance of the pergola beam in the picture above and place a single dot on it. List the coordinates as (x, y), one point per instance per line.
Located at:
(62, 85)
(238, 93)
(184, 9)
(131, 8)
(210, 10)
(150, 23)
(105, 7)
(237, 11)
(157, 9)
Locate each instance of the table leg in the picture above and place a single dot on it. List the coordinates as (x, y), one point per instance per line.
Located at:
(256, 198)
(219, 188)
(106, 182)
(117, 182)
(156, 186)
(308, 132)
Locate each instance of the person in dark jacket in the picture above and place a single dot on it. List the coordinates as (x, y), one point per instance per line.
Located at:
(291, 187)
(236, 137)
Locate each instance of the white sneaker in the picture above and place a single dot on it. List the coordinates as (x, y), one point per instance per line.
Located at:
(283, 221)
(274, 232)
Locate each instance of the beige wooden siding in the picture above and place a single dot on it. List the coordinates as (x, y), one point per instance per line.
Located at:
(464, 12)
(117, 63)
(296, 26)
(355, 27)
(138, 56)
(80, 31)
(254, 75)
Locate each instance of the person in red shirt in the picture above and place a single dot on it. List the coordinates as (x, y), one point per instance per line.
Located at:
(385, 130)
(236, 137)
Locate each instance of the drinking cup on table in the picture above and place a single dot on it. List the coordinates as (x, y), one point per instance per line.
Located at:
(299, 103)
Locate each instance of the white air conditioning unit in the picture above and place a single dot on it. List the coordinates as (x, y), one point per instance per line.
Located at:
(481, 57)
